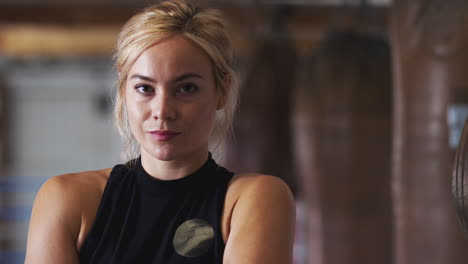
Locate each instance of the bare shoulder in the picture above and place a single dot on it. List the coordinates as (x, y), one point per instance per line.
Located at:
(82, 178)
(80, 194)
(59, 213)
(255, 185)
(70, 184)
(73, 190)
(262, 220)
(248, 181)
(69, 188)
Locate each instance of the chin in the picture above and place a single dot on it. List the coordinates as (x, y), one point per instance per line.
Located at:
(170, 152)
(164, 155)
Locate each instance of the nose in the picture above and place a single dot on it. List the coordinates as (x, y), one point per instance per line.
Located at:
(163, 107)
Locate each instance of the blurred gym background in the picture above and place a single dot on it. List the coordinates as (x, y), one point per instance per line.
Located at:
(357, 104)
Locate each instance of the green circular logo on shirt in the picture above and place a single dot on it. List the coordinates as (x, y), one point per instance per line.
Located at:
(193, 238)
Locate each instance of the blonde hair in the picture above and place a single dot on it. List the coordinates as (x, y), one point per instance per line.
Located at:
(205, 28)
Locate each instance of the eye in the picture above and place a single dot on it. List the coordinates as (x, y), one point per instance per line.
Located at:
(187, 88)
(144, 88)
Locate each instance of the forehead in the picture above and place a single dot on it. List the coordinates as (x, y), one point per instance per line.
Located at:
(173, 56)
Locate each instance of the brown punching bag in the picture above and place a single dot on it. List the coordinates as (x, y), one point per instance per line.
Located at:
(428, 43)
(5, 244)
(460, 178)
(3, 128)
(262, 141)
(342, 131)
(459, 123)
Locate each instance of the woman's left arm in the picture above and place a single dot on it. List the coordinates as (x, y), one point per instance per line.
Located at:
(262, 223)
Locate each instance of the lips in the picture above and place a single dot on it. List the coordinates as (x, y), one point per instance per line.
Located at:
(164, 135)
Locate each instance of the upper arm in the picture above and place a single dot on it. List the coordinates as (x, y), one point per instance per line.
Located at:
(54, 224)
(262, 224)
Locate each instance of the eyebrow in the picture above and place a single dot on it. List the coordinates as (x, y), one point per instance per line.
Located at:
(142, 77)
(177, 79)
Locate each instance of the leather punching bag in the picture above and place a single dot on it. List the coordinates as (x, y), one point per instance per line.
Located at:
(428, 40)
(460, 178)
(4, 128)
(342, 131)
(262, 140)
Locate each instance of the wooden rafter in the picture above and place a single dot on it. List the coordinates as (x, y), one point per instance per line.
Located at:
(53, 40)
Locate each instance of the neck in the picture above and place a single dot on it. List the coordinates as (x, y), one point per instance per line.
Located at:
(172, 169)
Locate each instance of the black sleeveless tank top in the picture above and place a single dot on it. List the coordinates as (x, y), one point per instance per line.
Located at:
(145, 220)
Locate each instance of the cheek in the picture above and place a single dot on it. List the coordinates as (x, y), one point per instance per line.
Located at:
(134, 112)
(204, 118)
(200, 119)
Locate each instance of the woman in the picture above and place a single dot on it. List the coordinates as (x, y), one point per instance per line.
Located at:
(172, 204)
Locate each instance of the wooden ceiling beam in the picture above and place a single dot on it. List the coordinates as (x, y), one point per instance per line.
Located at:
(57, 41)
(90, 31)
(65, 15)
(70, 15)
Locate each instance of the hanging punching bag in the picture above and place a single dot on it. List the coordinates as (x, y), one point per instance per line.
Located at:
(3, 127)
(342, 132)
(428, 42)
(262, 140)
(460, 178)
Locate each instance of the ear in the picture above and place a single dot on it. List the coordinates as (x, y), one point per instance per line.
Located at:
(222, 96)
(221, 101)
